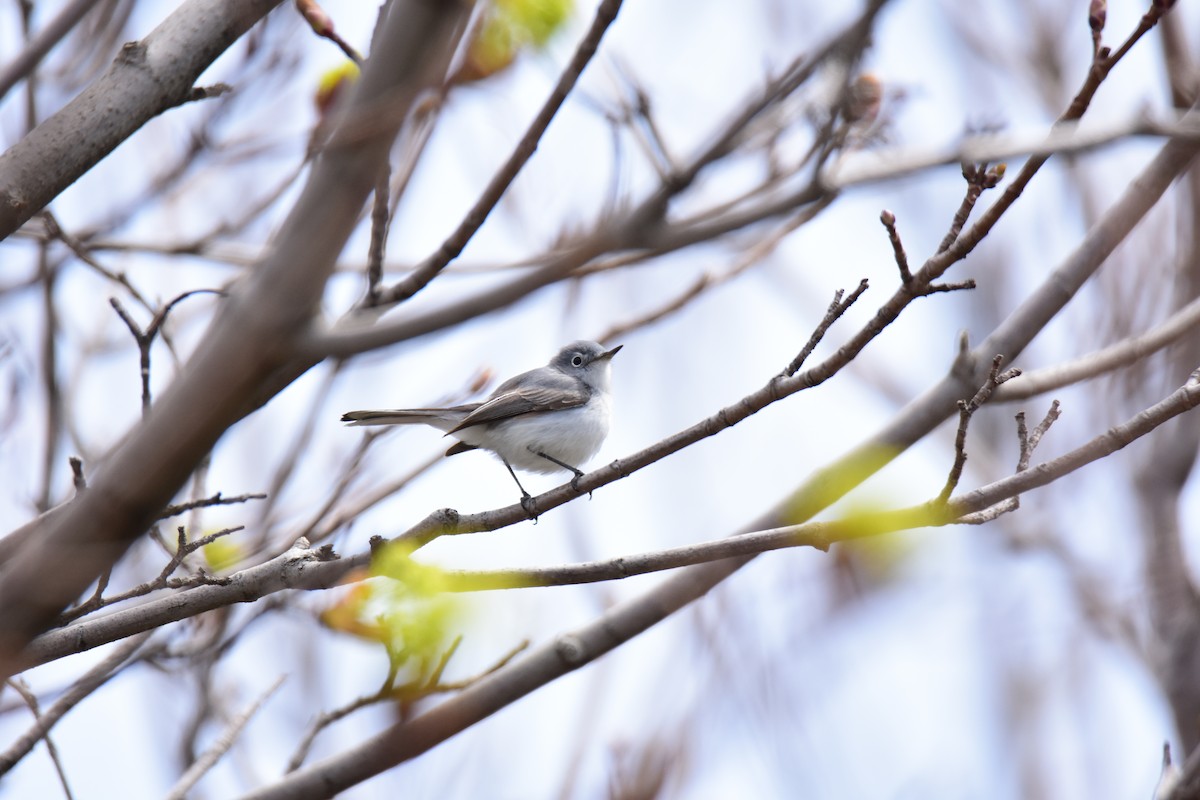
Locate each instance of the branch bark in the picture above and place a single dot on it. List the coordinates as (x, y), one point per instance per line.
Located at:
(226, 373)
(147, 78)
(572, 650)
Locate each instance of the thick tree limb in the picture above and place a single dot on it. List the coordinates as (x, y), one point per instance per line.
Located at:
(147, 468)
(147, 78)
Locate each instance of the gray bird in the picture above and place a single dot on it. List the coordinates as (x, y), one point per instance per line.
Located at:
(548, 419)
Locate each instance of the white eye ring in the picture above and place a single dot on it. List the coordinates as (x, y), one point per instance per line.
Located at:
(577, 361)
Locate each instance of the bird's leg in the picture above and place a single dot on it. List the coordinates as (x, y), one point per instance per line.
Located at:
(526, 499)
(564, 465)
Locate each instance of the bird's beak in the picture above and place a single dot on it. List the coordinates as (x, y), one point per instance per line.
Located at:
(609, 354)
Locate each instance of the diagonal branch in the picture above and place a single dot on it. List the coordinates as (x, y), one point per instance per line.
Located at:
(148, 77)
(450, 249)
(42, 43)
(225, 376)
(212, 755)
(92, 680)
(299, 568)
(642, 226)
(19, 686)
(1121, 354)
(570, 651)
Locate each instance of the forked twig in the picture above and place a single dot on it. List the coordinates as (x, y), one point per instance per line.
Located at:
(967, 409)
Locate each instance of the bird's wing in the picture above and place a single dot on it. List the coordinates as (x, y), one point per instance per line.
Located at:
(553, 395)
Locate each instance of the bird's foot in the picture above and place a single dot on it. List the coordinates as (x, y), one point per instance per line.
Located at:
(530, 507)
(575, 483)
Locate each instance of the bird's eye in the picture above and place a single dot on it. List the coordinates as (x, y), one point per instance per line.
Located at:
(577, 360)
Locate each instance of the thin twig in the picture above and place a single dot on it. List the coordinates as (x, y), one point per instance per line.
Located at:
(358, 507)
(84, 254)
(836, 309)
(145, 338)
(91, 680)
(380, 219)
(450, 249)
(293, 457)
(199, 93)
(183, 549)
(207, 502)
(349, 474)
(19, 686)
(1035, 438)
(966, 410)
(48, 353)
(889, 222)
(225, 741)
(387, 692)
(979, 178)
(1027, 443)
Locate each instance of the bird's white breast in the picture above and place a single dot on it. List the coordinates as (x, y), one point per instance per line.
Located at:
(572, 436)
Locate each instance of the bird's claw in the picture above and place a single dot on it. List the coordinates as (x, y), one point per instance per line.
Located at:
(529, 506)
(575, 484)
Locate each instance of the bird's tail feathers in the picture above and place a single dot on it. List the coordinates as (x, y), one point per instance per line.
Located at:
(436, 417)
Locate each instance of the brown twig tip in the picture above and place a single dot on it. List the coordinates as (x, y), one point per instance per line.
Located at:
(77, 472)
(889, 222)
(954, 286)
(863, 285)
(837, 307)
(1097, 14)
(315, 16)
(979, 178)
(322, 25)
(208, 92)
(1028, 441)
(1051, 417)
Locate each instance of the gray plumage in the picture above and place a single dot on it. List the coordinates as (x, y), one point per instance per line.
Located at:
(547, 419)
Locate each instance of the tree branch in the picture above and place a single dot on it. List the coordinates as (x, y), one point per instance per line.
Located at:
(91, 680)
(148, 77)
(1121, 354)
(224, 377)
(428, 269)
(570, 651)
(211, 756)
(42, 43)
